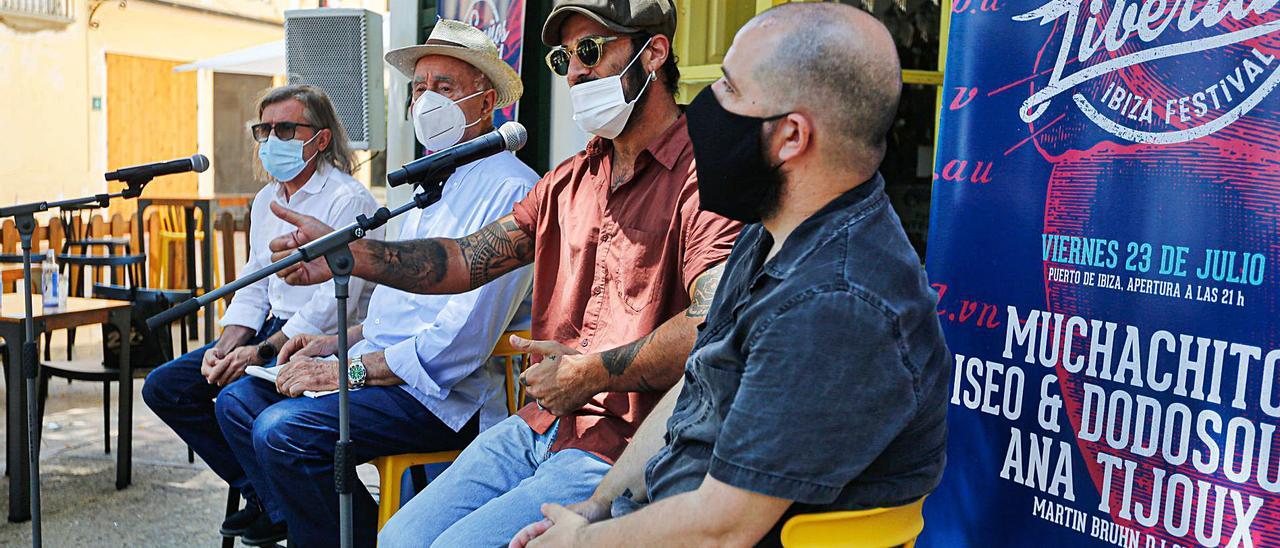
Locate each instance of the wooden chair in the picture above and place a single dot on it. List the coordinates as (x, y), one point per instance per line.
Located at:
(392, 468)
(87, 235)
(876, 528)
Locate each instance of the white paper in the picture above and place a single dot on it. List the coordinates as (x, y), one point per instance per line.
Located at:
(269, 374)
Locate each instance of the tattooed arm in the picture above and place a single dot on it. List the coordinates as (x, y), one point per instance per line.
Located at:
(443, 265)
(429, 266)
(565, 380)
(656, 361)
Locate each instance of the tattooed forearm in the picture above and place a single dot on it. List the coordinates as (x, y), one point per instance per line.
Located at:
(414, 265)
(497, 249)
(704, 290)
(617, 360)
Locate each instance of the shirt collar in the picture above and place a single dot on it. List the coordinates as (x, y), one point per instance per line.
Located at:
(846, 209)
(666, 149)
(315, 184)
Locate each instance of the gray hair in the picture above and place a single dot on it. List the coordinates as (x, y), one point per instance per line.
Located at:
(319, 112)
(841, 63)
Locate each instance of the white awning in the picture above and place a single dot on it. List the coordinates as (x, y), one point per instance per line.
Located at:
(263, 60)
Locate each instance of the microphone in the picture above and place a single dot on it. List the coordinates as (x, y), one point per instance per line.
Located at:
(145, 172)
(511, 136)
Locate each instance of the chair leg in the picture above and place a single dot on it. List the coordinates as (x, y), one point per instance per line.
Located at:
(233, 505)
(106, 416)
(71, 341)
(42, 394)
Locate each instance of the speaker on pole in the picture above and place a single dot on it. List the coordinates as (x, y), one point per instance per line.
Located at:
(339, 50)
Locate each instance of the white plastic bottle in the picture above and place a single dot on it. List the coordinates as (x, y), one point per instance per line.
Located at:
(50, 286)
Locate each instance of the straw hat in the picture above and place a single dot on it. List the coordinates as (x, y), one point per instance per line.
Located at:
(468, 44)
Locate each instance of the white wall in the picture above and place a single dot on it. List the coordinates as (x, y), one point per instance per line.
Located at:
(566, 138)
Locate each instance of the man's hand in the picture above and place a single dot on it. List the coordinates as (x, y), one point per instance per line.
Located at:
(305, 374)
(209, 364)
(564, 380)
(563, 527)
(308, 346)
(309, 229)
(591, 509)
(231, 367)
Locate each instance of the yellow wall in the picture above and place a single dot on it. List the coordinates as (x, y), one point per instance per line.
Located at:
(52, 143)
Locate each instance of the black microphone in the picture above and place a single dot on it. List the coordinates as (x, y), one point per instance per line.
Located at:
(436, 167)
(145, 172)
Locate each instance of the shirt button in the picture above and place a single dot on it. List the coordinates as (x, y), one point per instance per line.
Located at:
(584, 343)
(604, 238)
(598, 290)
(377, 321)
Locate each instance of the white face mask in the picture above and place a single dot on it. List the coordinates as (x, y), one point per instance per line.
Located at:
(438, 122)
(600, 107)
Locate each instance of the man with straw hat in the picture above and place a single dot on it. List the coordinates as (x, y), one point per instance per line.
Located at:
(420, 364)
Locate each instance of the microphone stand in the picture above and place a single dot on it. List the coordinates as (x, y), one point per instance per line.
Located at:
(335, 249)
(24, 217)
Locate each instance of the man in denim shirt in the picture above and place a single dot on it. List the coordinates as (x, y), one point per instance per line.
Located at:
(819, 380)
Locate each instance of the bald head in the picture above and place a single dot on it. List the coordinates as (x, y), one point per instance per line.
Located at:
(834, 61)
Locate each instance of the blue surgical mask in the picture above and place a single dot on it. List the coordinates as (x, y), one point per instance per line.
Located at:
(283, 159)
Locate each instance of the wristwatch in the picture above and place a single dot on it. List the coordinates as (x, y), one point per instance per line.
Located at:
(356, 372)
(267, 351)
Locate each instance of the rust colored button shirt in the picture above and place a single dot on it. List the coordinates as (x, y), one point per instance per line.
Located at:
(610, 266)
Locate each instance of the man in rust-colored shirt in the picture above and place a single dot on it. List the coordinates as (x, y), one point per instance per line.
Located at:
(625, 265)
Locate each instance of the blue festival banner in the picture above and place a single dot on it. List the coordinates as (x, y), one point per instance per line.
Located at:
(503, 21)
(1104, 236)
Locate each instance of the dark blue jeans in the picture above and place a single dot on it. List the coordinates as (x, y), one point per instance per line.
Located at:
(286, 447)
(180, 396)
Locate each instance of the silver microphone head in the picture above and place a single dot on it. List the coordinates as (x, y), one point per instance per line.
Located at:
(514, 135)
(199, 163)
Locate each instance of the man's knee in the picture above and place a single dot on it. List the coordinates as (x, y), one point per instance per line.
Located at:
(160, 389)
(230, 406)
(279, 431)
(399, 532)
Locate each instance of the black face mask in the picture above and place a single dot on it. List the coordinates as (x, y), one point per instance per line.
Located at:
(734, 178)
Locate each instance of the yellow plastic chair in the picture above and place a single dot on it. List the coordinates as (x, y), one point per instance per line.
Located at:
(391, 468)
(875, 528)
(170, 240)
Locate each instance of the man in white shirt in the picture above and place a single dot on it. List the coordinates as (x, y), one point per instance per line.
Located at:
(305, 151)
(420, 360)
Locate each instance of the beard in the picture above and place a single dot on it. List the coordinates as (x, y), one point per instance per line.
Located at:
(772, 182)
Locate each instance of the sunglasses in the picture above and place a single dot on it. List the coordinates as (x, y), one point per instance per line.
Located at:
(283, 130)
(588, 50)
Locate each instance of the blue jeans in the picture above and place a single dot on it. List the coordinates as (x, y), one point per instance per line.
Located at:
(495, 488)
(286, 447)
(183, 399)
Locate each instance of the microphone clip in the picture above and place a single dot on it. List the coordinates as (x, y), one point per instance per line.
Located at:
(134, 185)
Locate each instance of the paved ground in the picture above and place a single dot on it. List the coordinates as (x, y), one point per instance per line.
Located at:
(171, 502)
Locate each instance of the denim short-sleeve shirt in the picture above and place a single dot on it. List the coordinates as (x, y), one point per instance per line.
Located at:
(820, 376)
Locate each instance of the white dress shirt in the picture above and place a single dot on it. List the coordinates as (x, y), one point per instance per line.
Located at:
(336, 199)
(439, 344)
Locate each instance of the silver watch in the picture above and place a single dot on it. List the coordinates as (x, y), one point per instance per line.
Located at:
(356, 373)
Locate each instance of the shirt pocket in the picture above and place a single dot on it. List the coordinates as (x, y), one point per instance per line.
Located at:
(713, 392)
(634, 256)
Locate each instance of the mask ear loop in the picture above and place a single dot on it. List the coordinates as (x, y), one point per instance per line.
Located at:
(470, 97)
(464, 119)
(771, 119)
(652, 75)
(304, 143)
